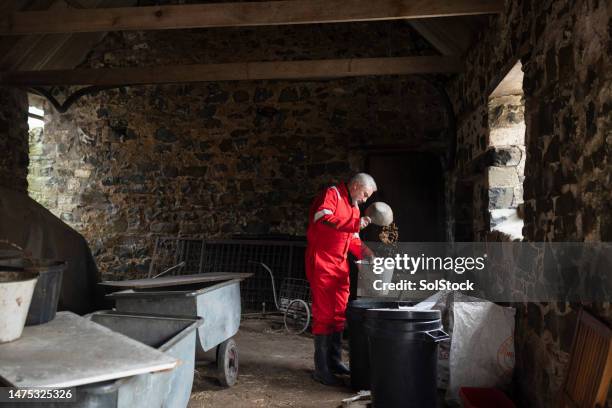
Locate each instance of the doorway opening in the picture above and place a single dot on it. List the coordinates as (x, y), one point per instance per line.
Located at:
(412, 183)
(38, 172)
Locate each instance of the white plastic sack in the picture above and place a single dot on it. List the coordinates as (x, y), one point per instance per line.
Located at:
(481, 349)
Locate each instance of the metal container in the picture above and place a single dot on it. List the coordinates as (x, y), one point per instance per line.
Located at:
(218, 304)
(380, 213)
(139, 391)
(173, 335)
(16, 290)
(366, 279)
(108, 368)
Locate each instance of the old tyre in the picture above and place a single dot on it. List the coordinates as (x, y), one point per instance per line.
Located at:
(227, 363)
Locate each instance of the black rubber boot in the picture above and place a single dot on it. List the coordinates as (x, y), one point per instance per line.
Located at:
(335, 355)
(321, 360)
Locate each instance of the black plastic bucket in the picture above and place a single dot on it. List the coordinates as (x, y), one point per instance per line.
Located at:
(47, 291)
(403, 345)
(48, 287)
(10, 258)
(359, 356)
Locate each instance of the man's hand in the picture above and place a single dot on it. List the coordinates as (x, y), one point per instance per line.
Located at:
(364, 222)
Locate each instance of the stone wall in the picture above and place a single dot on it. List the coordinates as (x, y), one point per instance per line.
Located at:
(564, 47)
(218, 159)
(13, 139)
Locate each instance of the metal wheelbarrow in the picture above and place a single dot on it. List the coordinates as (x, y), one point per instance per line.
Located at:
(218, 304)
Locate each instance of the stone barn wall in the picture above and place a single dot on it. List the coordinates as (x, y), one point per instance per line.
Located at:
(565, 50)
(13, 139)
(218, 159)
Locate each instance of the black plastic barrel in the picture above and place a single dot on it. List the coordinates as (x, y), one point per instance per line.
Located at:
(403, 345)
(359, 356)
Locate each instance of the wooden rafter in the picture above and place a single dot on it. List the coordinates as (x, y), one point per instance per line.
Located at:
(236, 15)
(313, 69)
(450, 36)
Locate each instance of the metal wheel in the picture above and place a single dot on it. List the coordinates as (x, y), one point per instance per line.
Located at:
(297, 316)
(227, 363)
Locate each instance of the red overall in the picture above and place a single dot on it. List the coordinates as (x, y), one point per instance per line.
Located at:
(333, 230)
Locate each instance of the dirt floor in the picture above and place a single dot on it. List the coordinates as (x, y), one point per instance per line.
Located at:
(274, 371)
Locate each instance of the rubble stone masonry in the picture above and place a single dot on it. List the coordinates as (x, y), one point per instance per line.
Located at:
(217, 159)
(565, 50)
(13, 139)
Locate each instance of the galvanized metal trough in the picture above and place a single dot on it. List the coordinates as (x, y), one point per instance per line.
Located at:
(173, 335)
(218, 304)
(108, 368)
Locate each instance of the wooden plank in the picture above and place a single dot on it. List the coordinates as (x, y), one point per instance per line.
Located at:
(602, 391)
(18, 53)
(333, 68)
(42, 52)
(47, 51)
(589, 371)
(75, 48)
(22, 46)
(74, 51)
(176, 280)
(450, 36)
(178, 291)
(237, 15)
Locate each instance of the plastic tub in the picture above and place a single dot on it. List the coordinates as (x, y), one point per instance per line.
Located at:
(16, 289)
(359, 356)
(403, 345)
(473, 397)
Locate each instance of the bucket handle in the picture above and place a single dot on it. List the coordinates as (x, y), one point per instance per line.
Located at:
(438, 335)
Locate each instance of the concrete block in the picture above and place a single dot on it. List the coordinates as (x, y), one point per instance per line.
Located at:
(503, 177)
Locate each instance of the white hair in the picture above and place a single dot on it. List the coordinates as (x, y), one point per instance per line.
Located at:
(363, 179)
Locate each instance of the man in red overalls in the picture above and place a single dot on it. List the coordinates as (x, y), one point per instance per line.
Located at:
(333, 230)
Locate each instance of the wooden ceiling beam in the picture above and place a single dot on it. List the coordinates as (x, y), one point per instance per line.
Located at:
(314, 69)
(236, 15)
